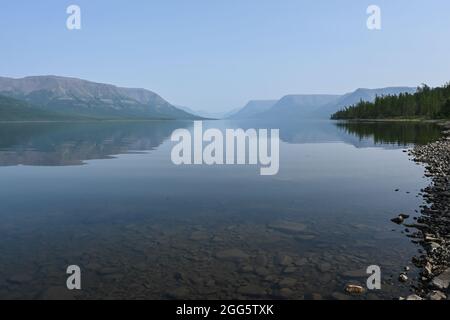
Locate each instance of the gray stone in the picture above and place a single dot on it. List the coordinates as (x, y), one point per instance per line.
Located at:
(252, 291)
(403, 277)
(288, 227)
(232, 254)
(355, 274)
(287, 282)
(20, 278)
(286, 293)
(284, 260)
(179, 293)
(442, 281)
(414, 297)
(58, 293)
(437, 295)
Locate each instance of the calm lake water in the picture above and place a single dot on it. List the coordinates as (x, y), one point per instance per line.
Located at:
(106, 197)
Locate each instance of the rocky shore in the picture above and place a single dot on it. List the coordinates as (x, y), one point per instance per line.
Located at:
(432, 228)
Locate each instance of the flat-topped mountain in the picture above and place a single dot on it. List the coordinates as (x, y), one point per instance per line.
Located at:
(315, 106)
(253, 108)
(78, 97)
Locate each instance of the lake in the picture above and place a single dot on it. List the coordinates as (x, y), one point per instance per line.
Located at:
(105, 196)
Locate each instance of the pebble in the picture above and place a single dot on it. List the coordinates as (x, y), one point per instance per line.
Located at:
(354, 289)
(403, 277)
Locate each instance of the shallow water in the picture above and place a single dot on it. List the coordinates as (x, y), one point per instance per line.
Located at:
(106, 197)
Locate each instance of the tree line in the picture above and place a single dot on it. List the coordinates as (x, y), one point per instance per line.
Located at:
(426, 103)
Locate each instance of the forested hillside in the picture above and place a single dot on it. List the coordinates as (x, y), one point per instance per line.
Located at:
(427, 103)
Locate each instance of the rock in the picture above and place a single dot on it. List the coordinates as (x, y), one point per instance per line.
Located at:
(288, 227)
(436, 295)
(442, 281)
(232, 255)
(398, 220)
(325, 267)
(246, 268)
(179, 293)
(284, 260)
(354, 289)
(301, 262)
(428, 269)
(340, 296)
(286, 293)
(252, 291)
(355, 274)
(58, 293)
(305, 237)
(403, 278)
(261, 271)
(20, 278)
(287, 282)
(414, 297)
(198, 236)
(261, 260)
(317, 296)
(108, 271)
(289, 270)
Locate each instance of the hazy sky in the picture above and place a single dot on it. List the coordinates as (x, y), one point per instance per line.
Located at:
(218, 54)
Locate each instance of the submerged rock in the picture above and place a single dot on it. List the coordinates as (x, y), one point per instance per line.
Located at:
(232, 254)
(288, 227)
(252, 291)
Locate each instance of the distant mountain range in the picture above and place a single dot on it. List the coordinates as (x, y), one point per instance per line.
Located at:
(311, 106)
(208, 114)
(62, 98)
(252, 109)
(70, 97)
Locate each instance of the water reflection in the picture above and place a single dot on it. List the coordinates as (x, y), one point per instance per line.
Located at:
(60, 144)
(394, 133)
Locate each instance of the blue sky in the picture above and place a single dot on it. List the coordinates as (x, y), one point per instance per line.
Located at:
(218, 54)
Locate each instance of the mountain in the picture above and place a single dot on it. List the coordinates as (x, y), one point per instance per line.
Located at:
(208, 114)
(319, 106)
(84, 98)
(16, 110)
(297, 106)
(253, 108)
(367, 95)
(426, 103)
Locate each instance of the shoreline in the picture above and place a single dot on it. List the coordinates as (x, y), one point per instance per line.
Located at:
(95, 121)
(442, 122)
(432, 228)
